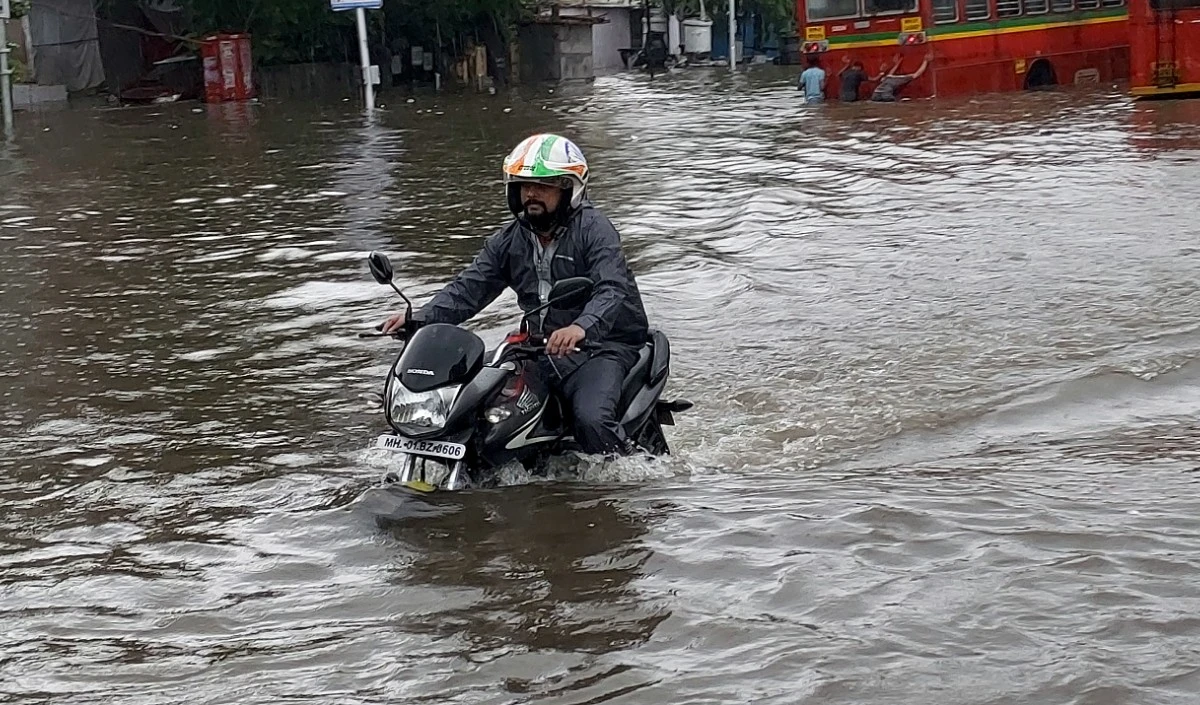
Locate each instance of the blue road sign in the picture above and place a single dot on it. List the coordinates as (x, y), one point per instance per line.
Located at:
(355, 4)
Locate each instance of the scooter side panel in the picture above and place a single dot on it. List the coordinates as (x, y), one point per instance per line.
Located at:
(641, 408)
(474, 395)
(532, 416)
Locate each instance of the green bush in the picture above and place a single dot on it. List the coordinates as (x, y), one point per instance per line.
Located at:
(19, 8)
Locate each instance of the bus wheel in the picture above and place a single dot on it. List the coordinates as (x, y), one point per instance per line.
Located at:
(1040, 76)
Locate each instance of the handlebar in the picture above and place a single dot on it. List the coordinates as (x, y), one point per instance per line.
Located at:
(538, 348)
(400, 334)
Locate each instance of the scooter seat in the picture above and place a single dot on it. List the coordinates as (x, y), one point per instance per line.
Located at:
(652, 363)
(636, 377)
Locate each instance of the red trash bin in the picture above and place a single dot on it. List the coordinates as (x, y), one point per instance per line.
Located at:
(228, 72)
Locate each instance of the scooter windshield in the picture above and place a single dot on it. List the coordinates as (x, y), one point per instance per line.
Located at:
(439, 355)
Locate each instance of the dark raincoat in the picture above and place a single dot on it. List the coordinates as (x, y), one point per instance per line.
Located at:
(588, 246)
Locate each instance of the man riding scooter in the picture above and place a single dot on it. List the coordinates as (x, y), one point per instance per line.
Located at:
(557, 233)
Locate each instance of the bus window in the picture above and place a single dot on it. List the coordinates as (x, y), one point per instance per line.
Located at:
(888, 7)
(1010, 8)
(1062, 5)
(945, 11)
(832, 9)
(1112, 3)
(1037, 7)
(1087, 4)
(1174, 4)
(978, 10)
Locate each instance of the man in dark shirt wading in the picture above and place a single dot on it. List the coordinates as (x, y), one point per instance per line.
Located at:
(558, 234)
(852, 77)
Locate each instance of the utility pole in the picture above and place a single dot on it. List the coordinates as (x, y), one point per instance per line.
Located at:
(5, 72)
(732, 34)
(645, 23)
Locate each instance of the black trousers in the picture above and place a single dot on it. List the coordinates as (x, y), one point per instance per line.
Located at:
(591, 388)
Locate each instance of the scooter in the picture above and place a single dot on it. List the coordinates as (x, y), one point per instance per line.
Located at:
(458, 413)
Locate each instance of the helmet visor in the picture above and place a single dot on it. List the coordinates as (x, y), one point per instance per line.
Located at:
(562, 182)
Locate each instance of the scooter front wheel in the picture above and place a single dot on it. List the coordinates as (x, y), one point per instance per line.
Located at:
(415, 475)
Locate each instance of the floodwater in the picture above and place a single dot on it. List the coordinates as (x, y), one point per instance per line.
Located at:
(945, 447)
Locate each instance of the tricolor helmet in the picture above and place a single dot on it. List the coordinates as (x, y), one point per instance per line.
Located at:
(546, 159)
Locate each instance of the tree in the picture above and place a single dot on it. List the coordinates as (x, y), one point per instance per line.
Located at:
(290, 31)
(283, 31)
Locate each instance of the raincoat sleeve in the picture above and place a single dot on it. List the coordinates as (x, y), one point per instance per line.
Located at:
(608, 269)
(472, 290)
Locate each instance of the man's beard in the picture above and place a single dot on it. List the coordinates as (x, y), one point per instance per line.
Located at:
(543, 221)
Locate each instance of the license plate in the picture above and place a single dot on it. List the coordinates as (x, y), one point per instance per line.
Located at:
(433, 449)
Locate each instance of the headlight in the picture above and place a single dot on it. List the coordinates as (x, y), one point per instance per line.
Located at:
(423, 409)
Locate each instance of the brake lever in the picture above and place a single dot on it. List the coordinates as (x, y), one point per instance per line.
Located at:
(402, 333)
(398, 334)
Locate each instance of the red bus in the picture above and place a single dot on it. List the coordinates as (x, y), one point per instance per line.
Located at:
(1164, 47)
(975, 45)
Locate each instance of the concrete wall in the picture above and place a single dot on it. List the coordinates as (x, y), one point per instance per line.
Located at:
(561, 52)
(609, 38)
(28, 96)
(575, 52)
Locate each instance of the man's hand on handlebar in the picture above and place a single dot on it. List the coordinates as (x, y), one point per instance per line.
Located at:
(565, 340)
(393, 324)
